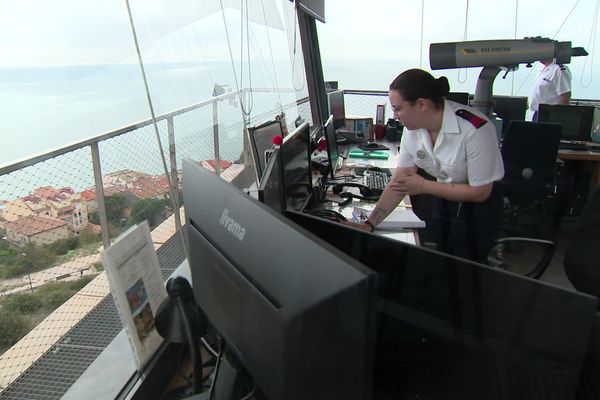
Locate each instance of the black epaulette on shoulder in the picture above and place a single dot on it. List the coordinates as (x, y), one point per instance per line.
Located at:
(475, 120)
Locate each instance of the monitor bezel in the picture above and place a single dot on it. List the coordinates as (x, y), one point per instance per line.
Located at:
(338, 97)
(332, 147)
(304, 128)
(274, 165)
(251, 132)
(585, 114)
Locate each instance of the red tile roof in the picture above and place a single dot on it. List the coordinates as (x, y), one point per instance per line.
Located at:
(88, 195)
(33, 224)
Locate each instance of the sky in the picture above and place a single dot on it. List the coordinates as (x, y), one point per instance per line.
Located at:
(388, 32)
(364, 44)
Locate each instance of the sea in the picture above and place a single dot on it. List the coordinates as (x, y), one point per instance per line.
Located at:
(47, 107)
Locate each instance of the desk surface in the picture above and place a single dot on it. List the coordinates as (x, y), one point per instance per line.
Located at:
(390, 163)
(579, 155)
(410, 236)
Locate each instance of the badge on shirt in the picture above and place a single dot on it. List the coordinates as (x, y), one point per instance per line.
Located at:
(421, 154)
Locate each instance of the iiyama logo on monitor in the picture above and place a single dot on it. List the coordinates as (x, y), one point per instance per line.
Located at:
(233, 227)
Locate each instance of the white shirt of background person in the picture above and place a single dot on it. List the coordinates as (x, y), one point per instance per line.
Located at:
(553, 86)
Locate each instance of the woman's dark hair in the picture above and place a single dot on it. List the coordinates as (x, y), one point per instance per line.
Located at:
(416, 83)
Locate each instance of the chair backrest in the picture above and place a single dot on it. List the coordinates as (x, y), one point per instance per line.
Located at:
(582, 259)
(261, 139)
(529, 152)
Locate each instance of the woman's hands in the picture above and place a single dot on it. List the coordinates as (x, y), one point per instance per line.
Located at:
(364, 227)
(408, 184)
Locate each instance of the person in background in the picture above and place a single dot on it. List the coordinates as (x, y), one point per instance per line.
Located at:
(553, 86)
(458, 146)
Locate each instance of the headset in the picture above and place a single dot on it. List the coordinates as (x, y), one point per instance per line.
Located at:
(365, 191)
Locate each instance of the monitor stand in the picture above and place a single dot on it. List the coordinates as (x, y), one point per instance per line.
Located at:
(232, 382)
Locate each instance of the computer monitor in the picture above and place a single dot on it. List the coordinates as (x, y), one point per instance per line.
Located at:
(450, 328)
(261, 139)
(297, 174)
(296, 313)
(510, 108)
(458, 97)
(333, 154)
(575, 120)
(336, 108)
(270, 187)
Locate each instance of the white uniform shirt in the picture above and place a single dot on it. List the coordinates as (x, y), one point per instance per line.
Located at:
(551, 83)
(462, 152)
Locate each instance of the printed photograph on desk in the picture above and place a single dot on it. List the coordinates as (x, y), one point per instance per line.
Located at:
(143, 318)
(137, 288)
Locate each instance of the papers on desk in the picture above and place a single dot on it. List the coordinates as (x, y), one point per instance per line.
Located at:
(137, 288)
(398, 219)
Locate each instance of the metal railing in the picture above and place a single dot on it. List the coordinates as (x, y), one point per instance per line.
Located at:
(213, 130)
(68, 194)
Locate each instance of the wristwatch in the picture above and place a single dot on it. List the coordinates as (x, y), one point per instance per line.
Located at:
(370, 224)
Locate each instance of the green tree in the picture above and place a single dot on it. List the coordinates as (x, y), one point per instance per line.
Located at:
(33, 258)
(22, 303)
(152, 210)
(62, 246)
(87, 237)
(115, 205)
(12, 328)
(94, 218)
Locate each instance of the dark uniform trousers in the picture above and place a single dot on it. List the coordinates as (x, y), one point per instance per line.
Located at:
(467, 230)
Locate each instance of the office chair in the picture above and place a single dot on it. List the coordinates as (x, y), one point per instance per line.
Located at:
(529, 152)
(582, 259)
(582, 255)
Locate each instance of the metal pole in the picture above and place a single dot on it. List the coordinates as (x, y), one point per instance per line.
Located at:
(216, 137)
(247, 150)
(100, 194)
(174, 180)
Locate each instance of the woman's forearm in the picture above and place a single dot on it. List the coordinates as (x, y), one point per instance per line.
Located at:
(458, 191)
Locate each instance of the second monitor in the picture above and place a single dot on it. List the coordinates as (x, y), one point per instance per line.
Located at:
(333, 153)
(297, 173)
(576, 121)
(337, 108)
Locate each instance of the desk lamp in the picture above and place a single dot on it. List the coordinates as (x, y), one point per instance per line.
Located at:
(178, 320)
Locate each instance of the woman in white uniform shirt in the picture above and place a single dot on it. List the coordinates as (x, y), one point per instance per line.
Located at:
(458, 146)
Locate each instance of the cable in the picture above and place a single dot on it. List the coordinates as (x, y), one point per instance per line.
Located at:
(249, 395)
(592, 45)
(237, 84)
(566, 18)
(251, 98)
(464, 39)
(297, 89)
(422, 23)
(262, 3)
(553, 37)
(512, 88)
(194, 351)
(216, 372)
(208, 347)
(327, 214)
(157, 134)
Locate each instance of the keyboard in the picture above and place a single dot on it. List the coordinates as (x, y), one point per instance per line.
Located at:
(377, 180)
(579, 146)
(572, 146)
